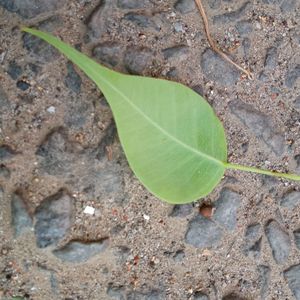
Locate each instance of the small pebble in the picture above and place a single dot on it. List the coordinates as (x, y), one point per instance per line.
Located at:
(51, 109)
(89, 210)
(146, 217)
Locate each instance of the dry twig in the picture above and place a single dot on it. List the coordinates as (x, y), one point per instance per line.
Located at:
(213, 44)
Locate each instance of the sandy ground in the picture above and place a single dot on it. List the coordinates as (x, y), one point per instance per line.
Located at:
(59, 154)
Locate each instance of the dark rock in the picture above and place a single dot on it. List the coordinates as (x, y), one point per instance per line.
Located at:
(107, 140)
(77, 252)
(178, 53)
(288, 5)
(233, 296)
(231, 16)
(4, 171)
(214, 4)
(21, 220)
(141, 20)
(42, 51)
(116, 292)
(132, 4)
(264, 280)
(73, 80)
(244, 27)
(246, 43)
(279, 241)
(292, 276)
(203, 233)
(14, 70)
(297, 238)
(185, 6)
(179, 255)
(292, 76)
(274, 2)
(31, 8)
(226, 208)
(79, 112)
(290, 200)
(252, 249)
(214, 67)
(96, 22)
(122, 253)
(253, 232)
(6, 152)
(53, 219)
(297, 103)
(200, 296)
(23, 85)
(271, 59)
(182, 210)
(253, 241)
(261, 125)
(53, 153)
(4, 102)
(151, 295)
(109, 54)
(137, 60)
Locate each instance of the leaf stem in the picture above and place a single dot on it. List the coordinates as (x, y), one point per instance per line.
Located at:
(261, 171)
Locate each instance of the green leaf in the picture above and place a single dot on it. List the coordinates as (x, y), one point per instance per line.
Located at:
(172, 139)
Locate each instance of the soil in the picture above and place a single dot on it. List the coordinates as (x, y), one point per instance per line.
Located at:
(75, 223)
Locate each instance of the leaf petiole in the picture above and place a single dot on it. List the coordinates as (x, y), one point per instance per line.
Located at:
(261, 171)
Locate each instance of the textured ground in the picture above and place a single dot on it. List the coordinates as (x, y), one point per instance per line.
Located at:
(59, 153)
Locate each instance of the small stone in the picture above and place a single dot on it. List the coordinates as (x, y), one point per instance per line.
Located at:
(177, 53)
(291, 200)
(297, 238)
(31, 8)
(146, 217)
(214, 68)
(77, 252)
(260, 124)
(231, 16)
(292, 76)
(226, 208)
(51, 109)
(141, 20)
(53, 219)
(181, 210)
(200, 296)
(203, 233)
(73, 80)
(178, 27)
(14, 70)
(292, 276)
(89, 210)
(244, 27)
(185, 6)
(21, 220)
(108, 53)
(132, 4)
(264, 280)
(6, 152)
(138, 60)
(23, 85)
(279, 241)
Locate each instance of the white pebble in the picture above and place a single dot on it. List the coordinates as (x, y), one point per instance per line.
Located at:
(146, 217)
(51, 109)
(89, 210)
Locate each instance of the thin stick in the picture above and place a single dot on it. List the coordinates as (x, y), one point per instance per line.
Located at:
(213, 44)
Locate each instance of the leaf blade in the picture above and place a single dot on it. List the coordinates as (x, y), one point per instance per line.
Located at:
(163, 128)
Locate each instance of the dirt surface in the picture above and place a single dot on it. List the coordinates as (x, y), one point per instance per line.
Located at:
(74, 221)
